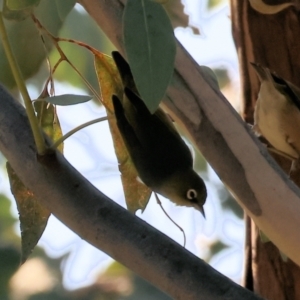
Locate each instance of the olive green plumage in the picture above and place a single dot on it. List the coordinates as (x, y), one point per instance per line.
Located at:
(162, 159)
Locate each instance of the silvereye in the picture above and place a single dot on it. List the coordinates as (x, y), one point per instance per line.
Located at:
(162, 159)
(277, 112)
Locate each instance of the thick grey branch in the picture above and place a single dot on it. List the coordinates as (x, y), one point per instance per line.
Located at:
(242, 163)
(103, 223)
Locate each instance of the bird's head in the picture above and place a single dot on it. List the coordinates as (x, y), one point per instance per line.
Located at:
(185, 188)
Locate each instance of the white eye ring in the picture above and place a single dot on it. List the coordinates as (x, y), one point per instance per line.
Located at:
(191, 194)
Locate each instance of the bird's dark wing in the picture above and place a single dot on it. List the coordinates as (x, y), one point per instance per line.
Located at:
(125, 71)
(153, 143)
(296, 93)
(128, 134)
(165, 148)
(290, 89)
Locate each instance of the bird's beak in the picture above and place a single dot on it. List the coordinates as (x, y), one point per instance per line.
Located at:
(259, 70)
(201, 209)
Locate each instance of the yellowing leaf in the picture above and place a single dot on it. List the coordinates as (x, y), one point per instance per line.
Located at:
(263, 8)
(46, 114)
(109, 79)
(33, 216)
(214, 3)
(136, 194)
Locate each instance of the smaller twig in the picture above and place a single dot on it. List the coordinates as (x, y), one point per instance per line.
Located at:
(71, 132)
(55, 41)
(37, 133)
(50, 77)
(160, 204)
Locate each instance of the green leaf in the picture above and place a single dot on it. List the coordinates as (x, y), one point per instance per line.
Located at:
(150, 47)
(216, 247)
(7, 221)
(21, 4)
(210, 73)
(222, 75)
(17, 15)
(9, 264)
(263, 237)
(75, 27)
(68, 99)
(63, 8)
(33, 216)
(214, 3)
(26, 41)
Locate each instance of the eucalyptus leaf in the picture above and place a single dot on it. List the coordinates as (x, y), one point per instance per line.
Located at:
(33, 215)
(21, 4)
(263, 237)
(17, 15)
(63, 8)
(214, 3)
(210, 73)
(26, 41)
(76, 27)
(68, 99)
(150, 47)
(48, 120)
(137, 194)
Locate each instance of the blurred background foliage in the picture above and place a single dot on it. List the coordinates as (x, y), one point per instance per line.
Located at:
(40, 278)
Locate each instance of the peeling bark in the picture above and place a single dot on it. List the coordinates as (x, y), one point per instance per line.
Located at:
(272, 41)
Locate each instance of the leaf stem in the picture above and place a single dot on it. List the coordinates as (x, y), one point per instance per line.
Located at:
(37, 133)
(63, 57)
(63, 138)
(160, 204)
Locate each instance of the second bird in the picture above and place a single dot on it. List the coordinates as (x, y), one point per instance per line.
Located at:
(277, 112)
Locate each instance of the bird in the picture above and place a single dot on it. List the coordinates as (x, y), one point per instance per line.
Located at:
(277, 112)
(163, 160)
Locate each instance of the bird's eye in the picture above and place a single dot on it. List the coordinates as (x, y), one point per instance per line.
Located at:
(191, 194)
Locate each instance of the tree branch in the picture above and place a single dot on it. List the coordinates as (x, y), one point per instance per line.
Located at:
(102, 222)
(242, 163)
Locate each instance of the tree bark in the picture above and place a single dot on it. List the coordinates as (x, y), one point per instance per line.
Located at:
(102, 222)
(272, 41)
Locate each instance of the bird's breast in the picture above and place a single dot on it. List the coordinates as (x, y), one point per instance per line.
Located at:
(281, 127)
